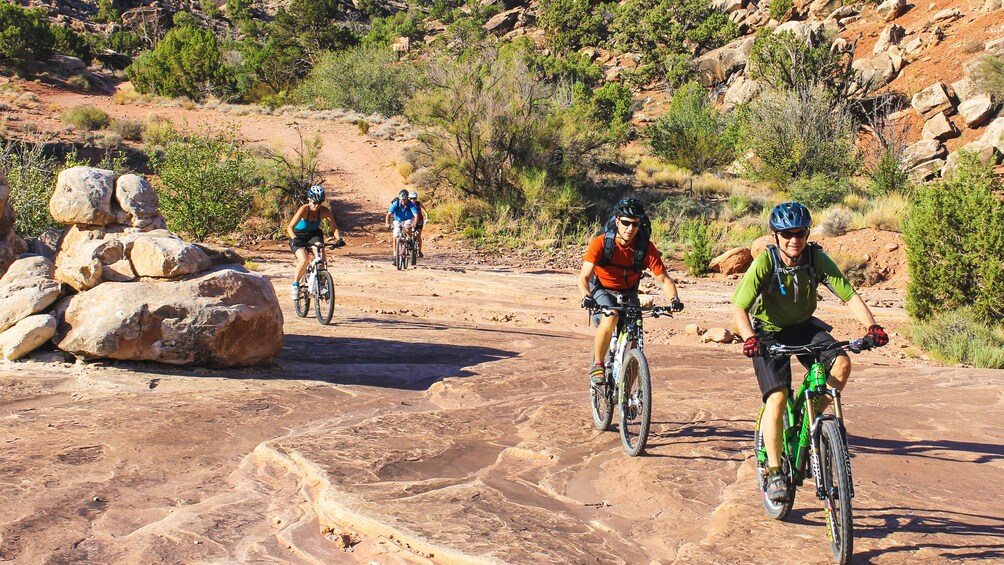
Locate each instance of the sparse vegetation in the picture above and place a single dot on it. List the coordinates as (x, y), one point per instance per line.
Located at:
(88, 118)
(365, 79)
(693, 134)
(698, 257)
(989, 76)
(25, 37)
(960, 336)
(31, 176)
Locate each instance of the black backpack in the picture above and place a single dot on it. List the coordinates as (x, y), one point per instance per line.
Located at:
(640, 246)
(772, 284)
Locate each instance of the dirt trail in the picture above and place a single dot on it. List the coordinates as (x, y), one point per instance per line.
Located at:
(442, 417)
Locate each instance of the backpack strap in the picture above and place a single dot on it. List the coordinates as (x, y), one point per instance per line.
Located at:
(778, 268)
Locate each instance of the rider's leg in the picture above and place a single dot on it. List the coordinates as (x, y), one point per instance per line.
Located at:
(840, 373)
(301, 264)
(771, 424)
(601, 342)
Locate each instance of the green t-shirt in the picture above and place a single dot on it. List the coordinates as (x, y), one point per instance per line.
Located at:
(778, 310)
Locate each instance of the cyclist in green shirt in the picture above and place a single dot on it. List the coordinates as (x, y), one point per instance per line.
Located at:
(779, 292)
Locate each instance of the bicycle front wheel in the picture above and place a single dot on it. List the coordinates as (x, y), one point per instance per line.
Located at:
(636, 404)
(601, 400)
(325, 304)
(302, 302)
(836, 478)
(776, 510)
(414, 252)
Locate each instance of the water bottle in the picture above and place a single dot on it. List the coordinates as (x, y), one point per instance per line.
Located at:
(310, 280)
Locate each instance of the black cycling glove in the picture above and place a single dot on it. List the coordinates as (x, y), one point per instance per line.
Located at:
(589, 302)
(676, 304)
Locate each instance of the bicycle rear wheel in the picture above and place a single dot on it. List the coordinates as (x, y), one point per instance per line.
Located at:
(776, 510)
(836, 479)
(601, 400)
(402, 254)
(302, 302)
(325, 305)
(414, 251)
(636, 409)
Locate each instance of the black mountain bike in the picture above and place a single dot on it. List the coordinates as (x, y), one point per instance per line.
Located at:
(317, 283)
(405, 250)
(627, 382)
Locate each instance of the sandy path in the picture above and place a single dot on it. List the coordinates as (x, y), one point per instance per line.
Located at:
(442, 417)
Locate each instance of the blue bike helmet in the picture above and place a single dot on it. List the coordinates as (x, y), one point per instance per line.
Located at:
(788, 216)
(629, 208)
(315, 194)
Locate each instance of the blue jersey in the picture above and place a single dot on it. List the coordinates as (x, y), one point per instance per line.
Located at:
(403, 213)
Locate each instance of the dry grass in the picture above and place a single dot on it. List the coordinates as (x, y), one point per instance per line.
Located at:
(126, 94)
(886, 212)
(835, 221)
(405, 169)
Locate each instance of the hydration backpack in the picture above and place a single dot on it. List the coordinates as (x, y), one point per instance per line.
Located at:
(640, 245)
(772, 284)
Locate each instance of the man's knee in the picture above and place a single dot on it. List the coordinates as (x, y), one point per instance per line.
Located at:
(777, 399)
(841, 369)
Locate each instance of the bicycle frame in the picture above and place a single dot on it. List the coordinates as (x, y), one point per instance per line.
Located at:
(313, 267)
(628, 335)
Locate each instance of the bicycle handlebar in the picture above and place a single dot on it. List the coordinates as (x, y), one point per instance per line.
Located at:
(335, 245)
(655, 311)
(853, 345)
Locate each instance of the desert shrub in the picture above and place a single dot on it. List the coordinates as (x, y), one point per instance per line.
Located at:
(887, 212)
(107, 13)
(989, 76)
(798, 133)
(835, 221)
(819, 191)
(128, 129)
(185, 63)
(157, 130)
(611, 105)
(383, 31)
(31, 176)
(572, 24)
(288, 178)
(778, 8)
(206, 183)
(122, 41)
(856, 269)
(365, 79)
(955, 245)
(25, 37)
(239, 10)
(67, 41)
(786, 62)
(692, 134)
(700, 253)
(572, 67)
(86, 117)
(961, 336)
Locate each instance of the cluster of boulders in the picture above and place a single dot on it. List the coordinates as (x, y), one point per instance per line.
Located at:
(117, 284)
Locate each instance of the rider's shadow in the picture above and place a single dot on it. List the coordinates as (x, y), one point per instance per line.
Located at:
(879, 523)
(380, 362)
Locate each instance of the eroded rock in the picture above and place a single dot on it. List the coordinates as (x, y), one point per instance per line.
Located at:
(931, 100)
(26, 336)
(977, 110)
(890, 9)
(83, 195)
(733, 261)
(940, 128)
(165, 257)
(21, 297)
(924, 150)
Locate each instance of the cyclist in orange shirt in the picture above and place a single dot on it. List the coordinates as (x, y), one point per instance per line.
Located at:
(612, 268)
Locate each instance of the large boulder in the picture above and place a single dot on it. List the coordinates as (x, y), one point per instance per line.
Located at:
(939, 127)
(926, 170)
(742, 90)
(931, 100)
(503, 22)
(818, 9)
(137, 200)
(922, 151)
(977, 110)
(26, 336)
(166, 257)
(224, 318)
(718, 65)
(82, 265)
(733, 261)
(27, 289)
(83, 195)
(801, 30)
(890, 36)
(993, 134)
(874, 73)
(890, 9)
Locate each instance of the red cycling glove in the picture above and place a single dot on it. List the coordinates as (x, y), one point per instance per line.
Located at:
(751, 346)
(877, 335)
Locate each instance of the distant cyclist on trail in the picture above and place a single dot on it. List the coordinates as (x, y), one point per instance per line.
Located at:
(419, 220)
(305, 229)
(612, 267)
(779, 292)
(404, 212)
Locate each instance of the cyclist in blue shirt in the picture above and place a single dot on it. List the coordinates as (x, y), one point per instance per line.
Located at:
(305, 229)
(419, 221)
(404, 213)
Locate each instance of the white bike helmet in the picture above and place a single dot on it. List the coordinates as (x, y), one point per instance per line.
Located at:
(315, 194)
(413, 194)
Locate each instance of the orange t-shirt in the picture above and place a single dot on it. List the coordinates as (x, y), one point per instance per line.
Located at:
(615, 277)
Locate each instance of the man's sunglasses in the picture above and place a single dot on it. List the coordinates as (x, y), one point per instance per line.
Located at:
(792, 234)
(628, 224)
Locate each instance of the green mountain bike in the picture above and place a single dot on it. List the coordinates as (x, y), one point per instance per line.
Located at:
(628, 383)
(814, 445)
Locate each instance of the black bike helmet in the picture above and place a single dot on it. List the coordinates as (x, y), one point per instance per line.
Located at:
(403, 195)
(789, 216)
(629, 208)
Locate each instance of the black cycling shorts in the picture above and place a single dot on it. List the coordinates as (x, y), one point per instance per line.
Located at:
(306, 240)
(774, 373)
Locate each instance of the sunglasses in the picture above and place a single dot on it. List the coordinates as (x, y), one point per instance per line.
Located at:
(794, 234)
(628, 224)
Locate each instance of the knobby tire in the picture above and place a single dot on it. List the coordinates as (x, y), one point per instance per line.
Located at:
(302, 302)
(601, 400)
(636, 411)
(325, 300)
(776, 510)
(836, 478)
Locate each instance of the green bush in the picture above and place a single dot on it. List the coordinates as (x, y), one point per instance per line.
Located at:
(692, 134)
(960, 336)
(572, 24)
(365, 79)
(955, 245)
(574, 67)
(206, 183)
(887, 174)
(107, 13)
(31, 176)
(778, 8)
(185, 63)
(69, 42)
(383, 31)
(699, 255)
(239, 10)
(611, 106)
(798, 133)
(25, 37)
(819, 191)
(989, 76)
(125, 42)
(786, 62)
(86, 118)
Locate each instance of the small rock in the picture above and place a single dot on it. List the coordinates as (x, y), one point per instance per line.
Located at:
(694, 329)
(717, 335)
(891, 246)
